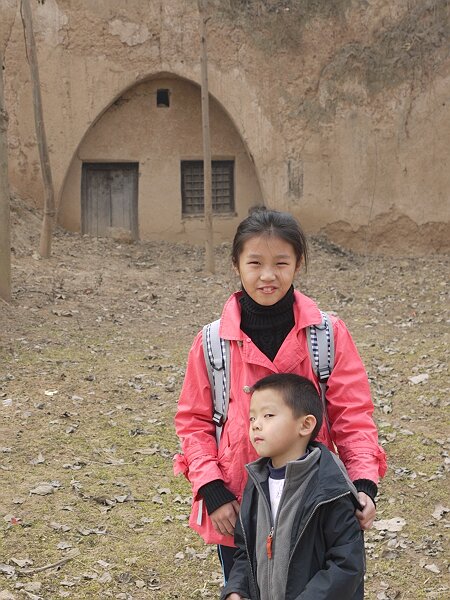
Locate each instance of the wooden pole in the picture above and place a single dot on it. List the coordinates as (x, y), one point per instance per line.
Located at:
(49, 197)
(207, 175)
(5, 231)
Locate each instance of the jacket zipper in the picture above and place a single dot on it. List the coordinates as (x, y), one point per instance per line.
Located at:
(269, 544)
(311, 516)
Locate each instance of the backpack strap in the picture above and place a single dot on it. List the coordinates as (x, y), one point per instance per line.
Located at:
(321, 349)
(217, 360)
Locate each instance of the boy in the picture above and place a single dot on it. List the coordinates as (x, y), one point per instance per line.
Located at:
(297, 536)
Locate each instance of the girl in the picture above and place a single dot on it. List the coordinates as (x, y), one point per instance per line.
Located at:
(265, 323)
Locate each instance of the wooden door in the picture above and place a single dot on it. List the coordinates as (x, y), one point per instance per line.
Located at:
(109, 199)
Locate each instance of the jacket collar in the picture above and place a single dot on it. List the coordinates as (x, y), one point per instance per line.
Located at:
(331, 474)
(306, 313)
(259, 470)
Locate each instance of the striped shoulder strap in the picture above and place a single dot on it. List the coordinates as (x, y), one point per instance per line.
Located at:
(217, 359)
(321, 349)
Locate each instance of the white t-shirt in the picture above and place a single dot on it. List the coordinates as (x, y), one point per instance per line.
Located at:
(275, 490)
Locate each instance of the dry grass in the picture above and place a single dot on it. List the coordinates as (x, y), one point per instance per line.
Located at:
(107, 329)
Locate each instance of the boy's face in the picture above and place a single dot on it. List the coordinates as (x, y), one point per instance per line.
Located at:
(274, 431)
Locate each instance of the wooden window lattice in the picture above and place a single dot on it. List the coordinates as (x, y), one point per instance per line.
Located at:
(192, 186)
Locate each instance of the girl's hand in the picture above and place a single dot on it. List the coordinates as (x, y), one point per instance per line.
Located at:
(224, 518)
(366, 516)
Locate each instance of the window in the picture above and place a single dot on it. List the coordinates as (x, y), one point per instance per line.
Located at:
(162, 98)
(192, 186)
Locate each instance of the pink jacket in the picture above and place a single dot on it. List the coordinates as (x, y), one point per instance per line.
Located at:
(350, 408)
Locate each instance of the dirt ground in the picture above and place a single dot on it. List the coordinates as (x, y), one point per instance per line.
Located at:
(93, 350)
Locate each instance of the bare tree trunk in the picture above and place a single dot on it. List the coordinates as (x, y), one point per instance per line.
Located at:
(49, 199)
(5, 234)
(207, 175)
(8, 12)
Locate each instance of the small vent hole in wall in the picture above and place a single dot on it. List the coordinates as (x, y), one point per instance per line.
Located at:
(162, 98)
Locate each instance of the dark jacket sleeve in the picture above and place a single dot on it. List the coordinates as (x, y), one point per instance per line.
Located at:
(342, 575)
(238, 581)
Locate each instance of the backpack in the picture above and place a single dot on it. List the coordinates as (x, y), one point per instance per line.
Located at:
(320, 340)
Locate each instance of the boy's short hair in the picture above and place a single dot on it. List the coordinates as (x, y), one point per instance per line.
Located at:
(299, 394)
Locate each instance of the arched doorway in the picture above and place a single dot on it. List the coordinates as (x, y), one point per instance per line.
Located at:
(140, 165)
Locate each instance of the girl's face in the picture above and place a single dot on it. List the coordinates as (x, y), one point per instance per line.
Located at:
(267, 267)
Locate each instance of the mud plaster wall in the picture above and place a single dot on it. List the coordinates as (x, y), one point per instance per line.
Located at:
(342, 106)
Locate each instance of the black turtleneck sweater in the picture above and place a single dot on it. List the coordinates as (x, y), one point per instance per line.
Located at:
(267, 326)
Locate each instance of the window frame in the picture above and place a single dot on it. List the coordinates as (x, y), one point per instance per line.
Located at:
(192, 207)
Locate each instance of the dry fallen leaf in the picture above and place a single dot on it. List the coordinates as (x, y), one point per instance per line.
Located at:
(419, 378)
(33, 586)
(105, 578)
(67, 583)
(22, 562)
(12, 520)
(122, 499)
(440, 511)
(59, 526)
(38, 460)
(96, 531)
(394, 524)
(433, 568)
(104, 564)
(64, 546)
(7, 570)
(43, 489)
